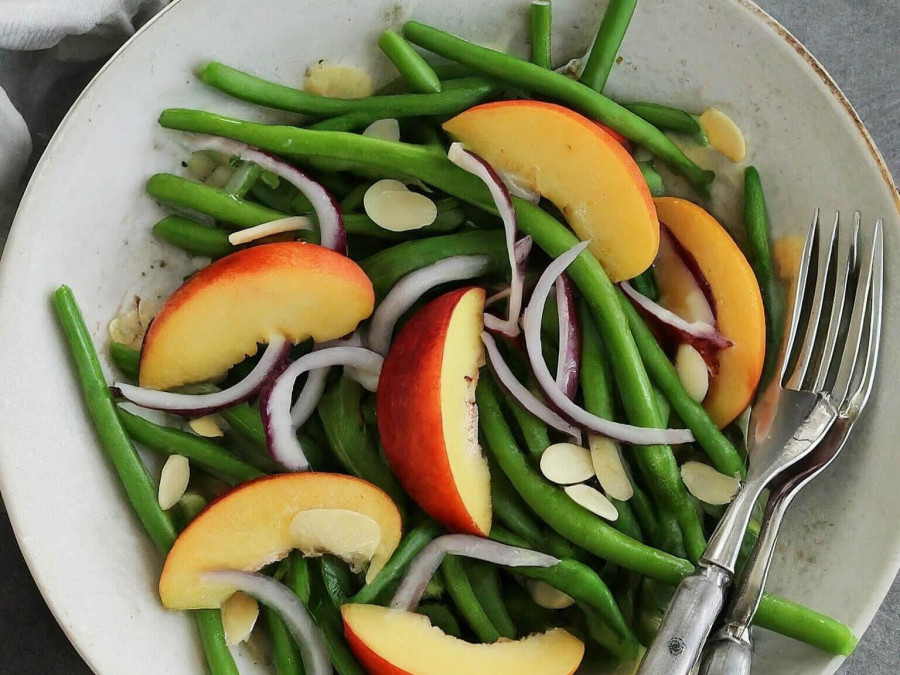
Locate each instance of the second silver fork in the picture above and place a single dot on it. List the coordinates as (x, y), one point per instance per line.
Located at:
(786, 424)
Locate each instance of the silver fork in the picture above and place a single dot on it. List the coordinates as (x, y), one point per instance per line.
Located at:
(789, 419)
(730, 650)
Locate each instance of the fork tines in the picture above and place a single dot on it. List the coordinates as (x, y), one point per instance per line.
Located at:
(831, 344)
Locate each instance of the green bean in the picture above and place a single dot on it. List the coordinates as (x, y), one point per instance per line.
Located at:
(285, 656)
(243, 178)
(623, 648)
(652, 178)
(717, 447)
(389, 266)
(340, 411)
(606, 45)
(759, 233)
(219, 204)
(669, 535)
(656, 463)
(668, 119)
(244, 420)
(127, 360)
(113, 437)
(171, 441)
(328, 618)
(441, 617)
(390, 574)
(467, 603)
(558, 86)
(354, 200)
(446, 72)
(645, 284)
(255, 90)
(511, 511)
(414, 69)
(645, 514)
(806, 625)
(337, 580)
(557, 509)
(193, 237)
(485, 581)
(435, 588)
(627, 523)
(578, 581)
(284, 198)
(528, 616)
(298, 577)
(127, 463)
(187, 508)
(541, 24)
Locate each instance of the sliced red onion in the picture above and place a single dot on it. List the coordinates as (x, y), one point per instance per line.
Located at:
(328, 213)
(278, 597)
(625, 433)
(698, 330)
(497, 297)
(309, 397)
(517, 189)
(413, 286)
(520, 392)
(275, 399)
(569, 360)
(426, 563)
(197, 405)
(475, 165)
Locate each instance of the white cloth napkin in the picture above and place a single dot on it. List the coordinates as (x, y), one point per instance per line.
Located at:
(66, 31)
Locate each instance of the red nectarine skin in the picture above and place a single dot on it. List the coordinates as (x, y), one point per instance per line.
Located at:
(409, 415)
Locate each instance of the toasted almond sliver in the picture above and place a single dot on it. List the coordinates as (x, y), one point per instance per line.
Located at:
(567, 463)
(386, 130)
(544, 595)
(606, 458)
(239, 615)
(724, 135)
(707, 484)
(350, 535)
(394, 207)
(692, 371)
(279, 226)
(338, 81)
(207, 426)
(173, 481)
(593, 500)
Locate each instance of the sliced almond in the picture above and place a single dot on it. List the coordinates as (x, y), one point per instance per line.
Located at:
(724, 135)
(606, 458)
(173, 481)
(707, 484)
(336, 80)
(517, 187)
(544, 595)
(593, 500)
(239, 615)
(386, 130)
(567, 463)
(270, 228)
(220, 176)
(200, 165)
(692, 371)
(392, 206)
(207, 426)
(130, 324)
(350, 535)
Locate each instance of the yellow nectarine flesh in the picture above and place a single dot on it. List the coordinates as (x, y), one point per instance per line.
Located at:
(217, 317)
(394, 642)
(251, 527)
(427, 417)
(738, 304)
(576, 164)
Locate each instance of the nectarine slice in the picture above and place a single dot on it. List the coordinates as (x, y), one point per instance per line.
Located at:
(577, 165)
(217, 317)
(394, 642)
(737, 303)
(427, 415)
(251, 527)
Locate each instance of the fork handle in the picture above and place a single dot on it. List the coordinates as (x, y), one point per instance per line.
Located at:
(687, 622)
(727, 655)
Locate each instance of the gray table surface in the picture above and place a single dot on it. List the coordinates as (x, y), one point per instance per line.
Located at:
(858, 41)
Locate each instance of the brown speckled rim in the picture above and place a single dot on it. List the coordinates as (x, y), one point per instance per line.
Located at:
(833, 87)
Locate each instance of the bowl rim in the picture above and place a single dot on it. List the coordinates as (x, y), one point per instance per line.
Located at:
(16, 232)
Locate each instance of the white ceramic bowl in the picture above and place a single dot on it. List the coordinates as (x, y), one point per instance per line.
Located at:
(85, 221)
